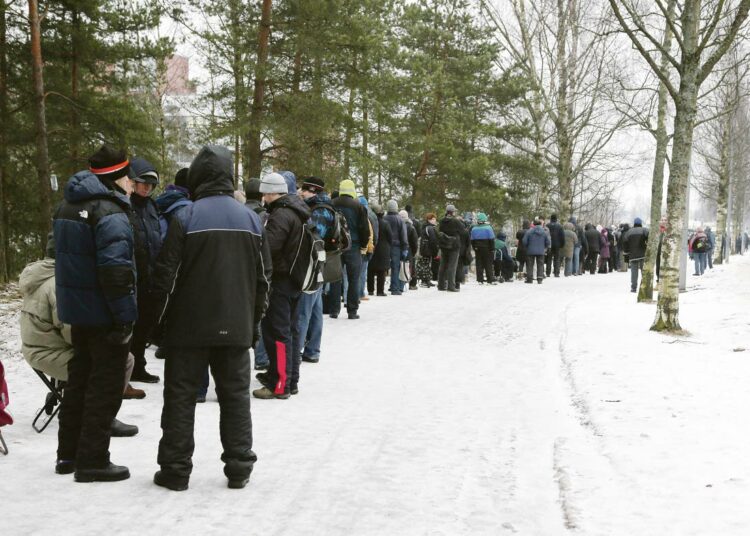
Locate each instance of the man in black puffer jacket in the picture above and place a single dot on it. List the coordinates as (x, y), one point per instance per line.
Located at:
(147, 234)
(592, 237)
(287, 214)
(95, 282)
(634, 244)
(211, 284)
(557, 238)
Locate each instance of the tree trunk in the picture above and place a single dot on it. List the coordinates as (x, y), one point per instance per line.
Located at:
(646, 289)
(365, 147)
(349, 123)
(75, 120)
(42, 154)
(668, 305)
(238, 72)
(4, 124)
(252, 145)
(723, 191)
(562, 122)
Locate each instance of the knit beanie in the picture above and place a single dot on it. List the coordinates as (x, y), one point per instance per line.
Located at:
(482, 217)
(391, 205)
(109, 164)
(273, 183)
(346, 187)
(313, 184)
(450, 209)
(291, 181)
(404, 215)
(638, 221)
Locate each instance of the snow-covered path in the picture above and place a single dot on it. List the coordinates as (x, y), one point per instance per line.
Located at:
(538, 410)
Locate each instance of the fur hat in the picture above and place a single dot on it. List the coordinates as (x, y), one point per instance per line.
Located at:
(273, 183)
(391, 205)
(346, 187)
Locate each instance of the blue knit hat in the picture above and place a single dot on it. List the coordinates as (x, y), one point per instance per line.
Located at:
(638, 221)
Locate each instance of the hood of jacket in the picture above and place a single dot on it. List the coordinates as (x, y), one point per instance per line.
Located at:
(211, 172)
(84, 185)
(502, 236)
(538, 230)
(291, 181)
(568, 226)
(320, 197)
(363, 201)
(294, 203)
(167, 201)
(35, 275)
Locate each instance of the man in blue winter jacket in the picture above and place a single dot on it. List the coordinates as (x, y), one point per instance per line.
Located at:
(536, 241)
(96, 294)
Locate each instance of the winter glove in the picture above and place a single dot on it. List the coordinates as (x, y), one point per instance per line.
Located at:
(120, 334)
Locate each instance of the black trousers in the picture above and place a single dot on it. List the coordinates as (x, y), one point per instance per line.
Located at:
(372, 276)
(141, 328)
(183, 375)
(552, 260)
(280, 331)
(92, 397)
(484, 265)
(591, 261)
(531, 261)
(448, 266)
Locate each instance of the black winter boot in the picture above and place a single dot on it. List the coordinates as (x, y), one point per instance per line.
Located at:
(175, 483)
(110, 473)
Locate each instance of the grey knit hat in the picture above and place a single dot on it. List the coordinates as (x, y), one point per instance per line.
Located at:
(391, 206)
(450, 208)
(273, 183)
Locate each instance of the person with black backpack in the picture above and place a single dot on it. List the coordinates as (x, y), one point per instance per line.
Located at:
(327, 223)
(285, 229)
(359, 228)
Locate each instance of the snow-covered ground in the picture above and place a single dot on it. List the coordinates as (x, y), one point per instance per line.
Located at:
(514, 409)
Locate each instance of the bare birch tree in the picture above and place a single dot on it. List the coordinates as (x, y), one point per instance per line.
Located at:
(699, 29)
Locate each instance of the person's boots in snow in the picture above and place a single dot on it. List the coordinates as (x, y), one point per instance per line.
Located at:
(133, 393)
(140, 375)
(264, 393)
(237, 483)
(110, 473)
(120, 429)
(65, 467)
(175, 483)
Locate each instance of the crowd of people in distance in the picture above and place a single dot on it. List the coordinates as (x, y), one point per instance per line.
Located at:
(205, 273)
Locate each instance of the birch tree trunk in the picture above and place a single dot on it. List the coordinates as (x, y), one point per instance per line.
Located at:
(646, 289)
(42, 153)
(722, 201)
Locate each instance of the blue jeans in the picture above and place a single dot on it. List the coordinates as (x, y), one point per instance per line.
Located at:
(396, 284)
(261, 357)
(310, 324)
(363, 275)
(352, 261)
(635, 267)
(576, 259)
(700, 262)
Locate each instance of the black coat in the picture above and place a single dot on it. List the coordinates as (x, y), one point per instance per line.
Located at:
(381, 257)
(429, 244)
(520, 248)
(356, 218)
(634, 243)
(286, 217)
(212, 276)
(413, 238)
(147, 235)
(592, 239)
(556, 235)
(452, 226)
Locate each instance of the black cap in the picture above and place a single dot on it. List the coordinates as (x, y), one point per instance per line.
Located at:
(313, 184)
(252, 189)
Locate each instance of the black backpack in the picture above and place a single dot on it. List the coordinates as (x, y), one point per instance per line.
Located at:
(699, 244)
(309, 262)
